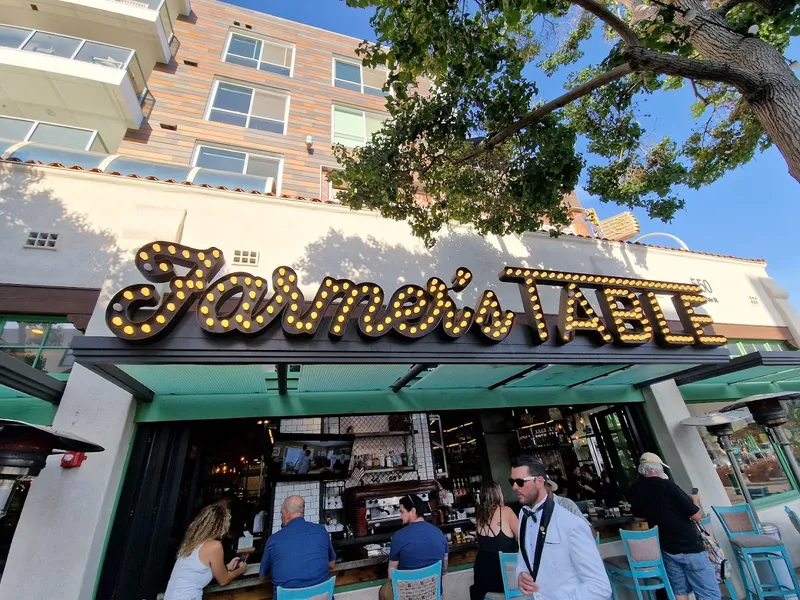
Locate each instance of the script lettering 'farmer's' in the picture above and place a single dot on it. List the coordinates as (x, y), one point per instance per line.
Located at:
(630, 313)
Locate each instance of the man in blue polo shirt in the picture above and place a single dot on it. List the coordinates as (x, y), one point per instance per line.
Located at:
(300, 554)
(416, 546)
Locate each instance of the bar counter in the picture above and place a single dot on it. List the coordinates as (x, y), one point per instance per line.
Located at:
(371, 568)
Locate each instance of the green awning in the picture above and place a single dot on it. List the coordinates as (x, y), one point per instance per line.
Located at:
(761, 372)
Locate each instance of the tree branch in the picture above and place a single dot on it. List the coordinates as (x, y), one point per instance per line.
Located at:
(544, 110)
(609, 18)
(643, 59)
(697, 93)
(725, 8)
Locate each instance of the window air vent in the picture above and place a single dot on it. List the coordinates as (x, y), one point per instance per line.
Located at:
(170, 126)
(42, 240)
(190, 63)
(245, 258)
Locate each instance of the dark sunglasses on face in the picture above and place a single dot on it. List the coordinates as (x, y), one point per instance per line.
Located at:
(521, 482)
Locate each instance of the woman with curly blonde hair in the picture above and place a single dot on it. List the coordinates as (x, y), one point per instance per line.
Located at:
(200, 557)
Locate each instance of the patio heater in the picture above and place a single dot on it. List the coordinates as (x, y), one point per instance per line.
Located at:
(769, 412)
(24, 449)
(721, 426)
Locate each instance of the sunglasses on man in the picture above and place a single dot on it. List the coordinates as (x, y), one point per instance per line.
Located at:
(520, 482)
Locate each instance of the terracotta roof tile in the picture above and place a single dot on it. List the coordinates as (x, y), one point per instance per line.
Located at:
(330, 202)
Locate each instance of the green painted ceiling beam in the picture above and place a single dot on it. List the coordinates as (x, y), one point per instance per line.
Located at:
(304, 404)
(719, 392)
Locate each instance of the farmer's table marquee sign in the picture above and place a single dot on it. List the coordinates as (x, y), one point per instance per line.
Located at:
(245, 304)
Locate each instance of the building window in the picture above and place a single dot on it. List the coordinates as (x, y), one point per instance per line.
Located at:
(742, 347)
(248, 107)
(245, 258)
(41, 240)
(259, 54)
(53, 134)
(352, 127)
(328, 191)
(41, 342)
(351, 75)
(762, 464)
(247, 163)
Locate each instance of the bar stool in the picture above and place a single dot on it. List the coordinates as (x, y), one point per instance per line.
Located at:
(706, 523)
(322, 591)
(751, 548)
(641, 568)
(418, 584)
(508, 569)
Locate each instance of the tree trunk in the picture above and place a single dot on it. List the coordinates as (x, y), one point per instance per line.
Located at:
(776, 102)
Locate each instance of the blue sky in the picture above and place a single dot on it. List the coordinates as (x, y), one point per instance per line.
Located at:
(753, 212)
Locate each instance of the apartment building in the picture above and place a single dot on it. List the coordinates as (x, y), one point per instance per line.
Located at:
(138, 138)
(210, 87)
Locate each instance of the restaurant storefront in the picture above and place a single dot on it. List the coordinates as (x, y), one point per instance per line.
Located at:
(426, 369)
(381, 394)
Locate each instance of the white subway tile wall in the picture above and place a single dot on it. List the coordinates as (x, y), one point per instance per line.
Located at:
(305, 425)
(309, 490)
(377, 423)
(422, 443)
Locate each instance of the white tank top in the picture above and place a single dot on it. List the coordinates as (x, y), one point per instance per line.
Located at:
(189, 577)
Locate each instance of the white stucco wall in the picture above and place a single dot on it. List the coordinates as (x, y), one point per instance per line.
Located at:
(101, 218)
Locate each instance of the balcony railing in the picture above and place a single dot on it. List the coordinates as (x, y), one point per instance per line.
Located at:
(70, 48)
(157, 5)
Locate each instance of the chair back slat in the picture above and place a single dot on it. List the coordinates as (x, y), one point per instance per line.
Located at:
(418, 584)
(793, 518)
(737, 520)
(508, 569)
(644, 550)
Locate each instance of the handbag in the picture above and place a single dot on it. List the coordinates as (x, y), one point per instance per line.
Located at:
(715, 554)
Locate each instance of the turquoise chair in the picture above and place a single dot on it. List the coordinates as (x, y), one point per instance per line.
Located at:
(508, 569)
(419, 584)
(706, 523)
(322, 591)
(751, 548)
(641, 568)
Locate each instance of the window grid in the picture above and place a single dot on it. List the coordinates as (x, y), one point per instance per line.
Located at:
(245, 258)
(34, 125)
(346, 83)
(365, 116)
(279, 69)
(41, 240)
(249, 115)
(246, 163)
(36, 350)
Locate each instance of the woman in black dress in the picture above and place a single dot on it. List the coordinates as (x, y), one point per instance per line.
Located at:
(497, 528)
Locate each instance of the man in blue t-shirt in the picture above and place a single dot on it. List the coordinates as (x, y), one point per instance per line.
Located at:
(417, 545)
(300, 554)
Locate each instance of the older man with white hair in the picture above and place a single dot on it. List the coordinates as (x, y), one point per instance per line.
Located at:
(659, 501)
(300, 554)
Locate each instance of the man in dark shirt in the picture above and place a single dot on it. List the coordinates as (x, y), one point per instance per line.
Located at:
(417, 545)
(657, 500)
(300, 554)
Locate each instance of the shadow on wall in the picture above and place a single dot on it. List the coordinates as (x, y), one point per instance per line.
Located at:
(85, 255)
(370, 259)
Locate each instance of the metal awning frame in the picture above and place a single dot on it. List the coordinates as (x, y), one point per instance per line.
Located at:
(22, 377)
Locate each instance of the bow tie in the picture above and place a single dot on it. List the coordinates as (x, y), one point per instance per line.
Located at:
(529, 513)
